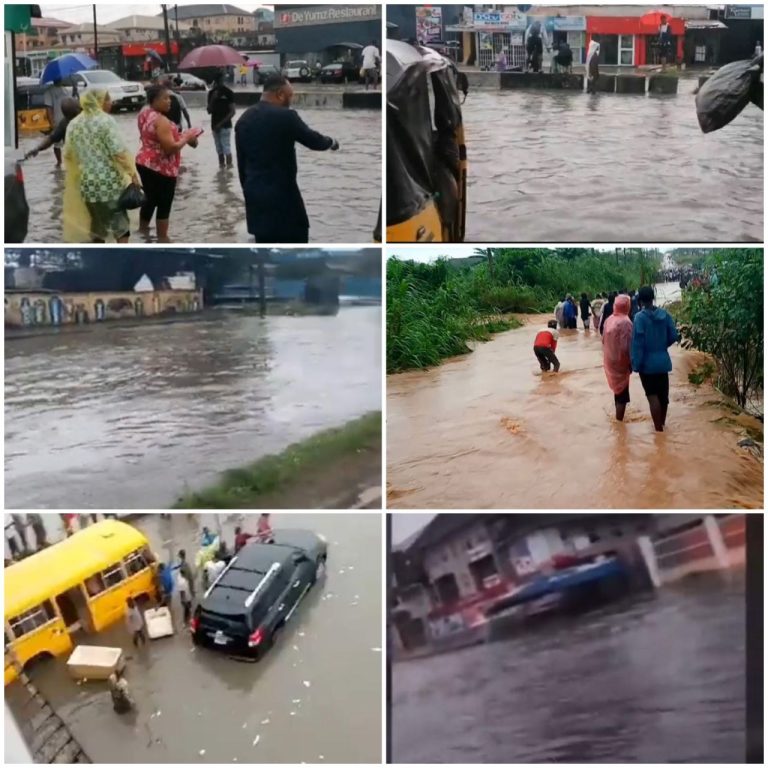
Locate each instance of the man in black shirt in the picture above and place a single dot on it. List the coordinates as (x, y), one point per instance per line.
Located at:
(178, 105)
(221, 108)
(265, 138)
(70, 109)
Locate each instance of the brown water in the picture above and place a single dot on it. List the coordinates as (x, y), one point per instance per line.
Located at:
(489, 430)
(341, 189)
(561, 166)
(192, 700)
(656, 679)
(131, 417)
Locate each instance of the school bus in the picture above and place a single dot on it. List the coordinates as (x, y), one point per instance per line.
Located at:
(78, 585)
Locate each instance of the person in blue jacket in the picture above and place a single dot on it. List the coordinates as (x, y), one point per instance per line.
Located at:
(653, 333)
(570, 312)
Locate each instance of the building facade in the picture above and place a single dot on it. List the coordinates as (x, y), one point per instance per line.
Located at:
(318, 33)
(136, 29)
(81, 36)
(215, 19)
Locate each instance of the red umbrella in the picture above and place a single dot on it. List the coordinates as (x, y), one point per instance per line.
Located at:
(653, 20)
(211, 56)
(253, 63)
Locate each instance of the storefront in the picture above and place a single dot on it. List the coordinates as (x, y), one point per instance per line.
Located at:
(633, 41)
(703, 38)
(484, 35)
(567, 29)
(317, 33)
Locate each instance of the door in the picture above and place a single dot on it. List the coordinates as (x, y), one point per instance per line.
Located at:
(300, 584)
(68, 612)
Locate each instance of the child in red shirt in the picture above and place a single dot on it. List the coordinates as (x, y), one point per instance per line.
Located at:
(544, 346)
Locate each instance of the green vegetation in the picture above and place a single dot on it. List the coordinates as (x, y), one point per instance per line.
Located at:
(249, 486)
(723, 316)
(434, 310)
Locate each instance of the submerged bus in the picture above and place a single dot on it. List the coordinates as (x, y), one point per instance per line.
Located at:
(80, 584)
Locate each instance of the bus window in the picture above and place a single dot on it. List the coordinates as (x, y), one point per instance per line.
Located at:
(32, 619)
(136, 562)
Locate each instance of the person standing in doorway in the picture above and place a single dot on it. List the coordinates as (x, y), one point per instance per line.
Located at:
(135, 621)
(265, 138)
(371, 60)
(221, 108)
(654, 331)
(54, 98)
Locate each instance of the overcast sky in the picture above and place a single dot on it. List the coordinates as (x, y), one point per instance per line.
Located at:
(106, 12)
(406, 523)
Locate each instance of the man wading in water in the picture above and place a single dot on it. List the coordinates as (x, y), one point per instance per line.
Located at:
(265, 140)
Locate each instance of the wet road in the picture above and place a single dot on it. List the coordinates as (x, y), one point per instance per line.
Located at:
(488, 430)
(595, 688)
(132, 417)
(341, 189)
(190, 701)
(561, 166)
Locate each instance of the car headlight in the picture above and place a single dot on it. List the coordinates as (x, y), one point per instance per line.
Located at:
(322, 538)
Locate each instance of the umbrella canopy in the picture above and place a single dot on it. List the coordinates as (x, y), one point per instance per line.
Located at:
(211, 56)
(65, 66)
(253, 63)
(154, 54)
(651, 22)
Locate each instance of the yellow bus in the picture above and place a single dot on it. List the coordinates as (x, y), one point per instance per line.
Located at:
(78, 585)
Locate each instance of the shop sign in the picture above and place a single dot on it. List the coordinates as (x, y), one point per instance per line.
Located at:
(326, 14)
(738, 11)
(499, 20)
(429, 23)
(569, 23)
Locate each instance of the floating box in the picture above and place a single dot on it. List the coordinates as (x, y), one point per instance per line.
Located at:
(95, 662)
(158, 622)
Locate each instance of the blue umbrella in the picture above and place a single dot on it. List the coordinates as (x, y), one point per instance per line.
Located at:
(64, 66)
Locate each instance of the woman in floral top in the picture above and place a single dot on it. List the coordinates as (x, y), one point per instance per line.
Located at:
(98, 167)
(159, 159)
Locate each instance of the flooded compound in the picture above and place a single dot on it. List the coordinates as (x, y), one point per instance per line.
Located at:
(561, 166)
(315, 696)
(341, 189)
(655, 679)
(489, 430)
(132, 417)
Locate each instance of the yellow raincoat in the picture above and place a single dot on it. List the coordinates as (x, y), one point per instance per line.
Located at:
(97, 164)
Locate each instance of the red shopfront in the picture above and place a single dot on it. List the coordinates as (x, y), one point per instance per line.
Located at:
(138, 63)
(632, 41)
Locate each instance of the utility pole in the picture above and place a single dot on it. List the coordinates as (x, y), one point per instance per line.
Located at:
(95, 36)
(177, 35)
(167, 38)
(262, 285)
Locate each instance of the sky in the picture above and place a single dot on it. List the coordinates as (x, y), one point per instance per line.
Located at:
(406, 523)
(107, 12)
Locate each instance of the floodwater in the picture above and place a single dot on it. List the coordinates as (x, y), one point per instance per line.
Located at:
(561, 166)
(653, 680)
(341, 189)
(194, 700)
(489, 430)
(132, 417)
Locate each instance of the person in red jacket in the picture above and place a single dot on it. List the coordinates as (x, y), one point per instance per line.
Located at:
(544, 346)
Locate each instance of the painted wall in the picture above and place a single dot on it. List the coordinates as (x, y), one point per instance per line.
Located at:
(36, 309)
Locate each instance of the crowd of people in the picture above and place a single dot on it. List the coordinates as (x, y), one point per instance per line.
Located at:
(636, 336)
(104, 179)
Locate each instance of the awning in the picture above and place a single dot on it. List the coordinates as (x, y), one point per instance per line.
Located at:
(705, 24)
(345, 45)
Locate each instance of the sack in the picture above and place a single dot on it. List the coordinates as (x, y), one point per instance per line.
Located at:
(132, 197)
(726, 93)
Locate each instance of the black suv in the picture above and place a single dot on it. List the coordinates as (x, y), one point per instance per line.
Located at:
(258, 592)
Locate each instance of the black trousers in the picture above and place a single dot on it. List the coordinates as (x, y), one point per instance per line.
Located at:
(160, 190)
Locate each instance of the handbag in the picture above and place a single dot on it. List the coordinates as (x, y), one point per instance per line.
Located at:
(132, 197)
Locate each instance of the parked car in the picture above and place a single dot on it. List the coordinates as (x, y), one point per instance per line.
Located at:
(263, 71)
(188, 82)
(124, 94)
(258, 592)
(298, 70)
(340, 72)
(16, 205)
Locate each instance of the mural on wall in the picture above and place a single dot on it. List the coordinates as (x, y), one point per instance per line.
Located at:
(99, 312)
(40, 312)
(26, 312)
(139, 307)
(56, 307)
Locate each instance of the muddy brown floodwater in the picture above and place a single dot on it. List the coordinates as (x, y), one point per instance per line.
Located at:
(123, 417)
(341, 189)
(489, 430)
(193, 700)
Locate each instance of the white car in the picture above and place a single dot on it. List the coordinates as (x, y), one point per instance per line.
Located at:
(124, 94)
(298, 70)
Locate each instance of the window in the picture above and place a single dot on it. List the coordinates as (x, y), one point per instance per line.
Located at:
(135, 562)
(627, 50)
(113, 576)
(32, 619)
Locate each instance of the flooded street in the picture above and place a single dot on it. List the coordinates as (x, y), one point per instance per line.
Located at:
(315, 697)
(131, 417)
(341, 189)
(594, 688)
(488, 430)
(561, 166)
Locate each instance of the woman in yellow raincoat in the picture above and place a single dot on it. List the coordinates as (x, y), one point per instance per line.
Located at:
(98, 168)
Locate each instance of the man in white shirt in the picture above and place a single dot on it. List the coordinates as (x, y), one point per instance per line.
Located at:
(371, 59)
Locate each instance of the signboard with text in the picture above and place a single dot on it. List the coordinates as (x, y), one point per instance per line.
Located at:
(429, 23)
(325, 14)
(569, 24)
(499, 20)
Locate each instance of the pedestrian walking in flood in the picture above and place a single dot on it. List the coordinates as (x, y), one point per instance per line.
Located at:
(585, 310)
(371, 61)
(38, 528)
(55, 96)
(164, 585)
(178, 111)
(185, 569)
(617, 345)
(265, 139)
(544, 346)
(221, 108)
(20, 524)
(70, 109)
(264, 528)
(135, 621)
(593, 66)
(185, 596)
(120, 692)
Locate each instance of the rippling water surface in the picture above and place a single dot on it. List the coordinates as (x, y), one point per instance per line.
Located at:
(555, 166)
(341, 189)
(130, 417)
(654, 680)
